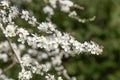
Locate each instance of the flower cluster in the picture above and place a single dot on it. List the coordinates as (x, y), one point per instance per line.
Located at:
(25, 75)
(39, 52)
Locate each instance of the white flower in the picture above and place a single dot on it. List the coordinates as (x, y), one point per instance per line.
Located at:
(4, 46)
(22, 35)
(48, 65)
(31, 40)
(26, 60)
(47, 27)
(25, 15)
(66, 47)
(51, 45)
(65, 9)
(65, 5)
(32, 21)
(91, 47)
(72, 14)
(10, 31)
(56, 60)
(14, 11)
(5, 3)
(25, 75)
(53, 3)
(44, 56)
(41, 42)
(50, 77)
(77, 46)
(60, 78)
(21, 47)
(44, 68)
(48, 10)
(58, 34)
(4, 57)
(40, 69)
(3, 12)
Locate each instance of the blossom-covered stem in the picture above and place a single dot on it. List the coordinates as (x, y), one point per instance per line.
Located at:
(12, 48)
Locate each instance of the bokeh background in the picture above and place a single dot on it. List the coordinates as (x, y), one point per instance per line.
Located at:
(104, 30)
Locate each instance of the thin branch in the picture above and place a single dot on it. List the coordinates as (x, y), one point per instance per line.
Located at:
(78, 7)
(7, 68)
(12, 48)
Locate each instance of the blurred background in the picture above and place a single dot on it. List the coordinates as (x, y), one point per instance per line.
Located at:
(104, 30)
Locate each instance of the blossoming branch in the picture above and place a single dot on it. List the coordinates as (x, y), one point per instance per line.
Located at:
(30, 49)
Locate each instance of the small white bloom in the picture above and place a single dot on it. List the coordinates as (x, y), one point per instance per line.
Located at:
(26, 60)
(10, 31)
(47, 27)
(25, 15)
(42, 41)
(56, 60)
(25, 75)
(32, 20)
(14, 11)
(72, 14)
(4, 57)
(31, 40)
(50, 77)
(60, 78)
(65, 5)
(53, 3)
(5, 3)
(22, 35)
(21, 47)
(48, 10)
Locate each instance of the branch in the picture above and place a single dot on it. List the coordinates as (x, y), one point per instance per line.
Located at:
(12, 48)
(7, 68)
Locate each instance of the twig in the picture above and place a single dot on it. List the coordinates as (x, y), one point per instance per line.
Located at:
(8, 68)
(12, 48)
(78, 7)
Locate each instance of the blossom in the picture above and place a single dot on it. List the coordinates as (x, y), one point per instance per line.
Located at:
(4, 57)
(53, 3)
(65, 5)
(47, 27)
(56, 60)
(60, 78)
(25, 15)
(26, 60)
(13, 11)
(31, 40)
(32, 21)
(40, 69)
(5, 3)
(22, 35)
(10, 31)
(21, 47)
(25, 75)
(41, 42)
(50, 77)
(73, 14)
(48, 10)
